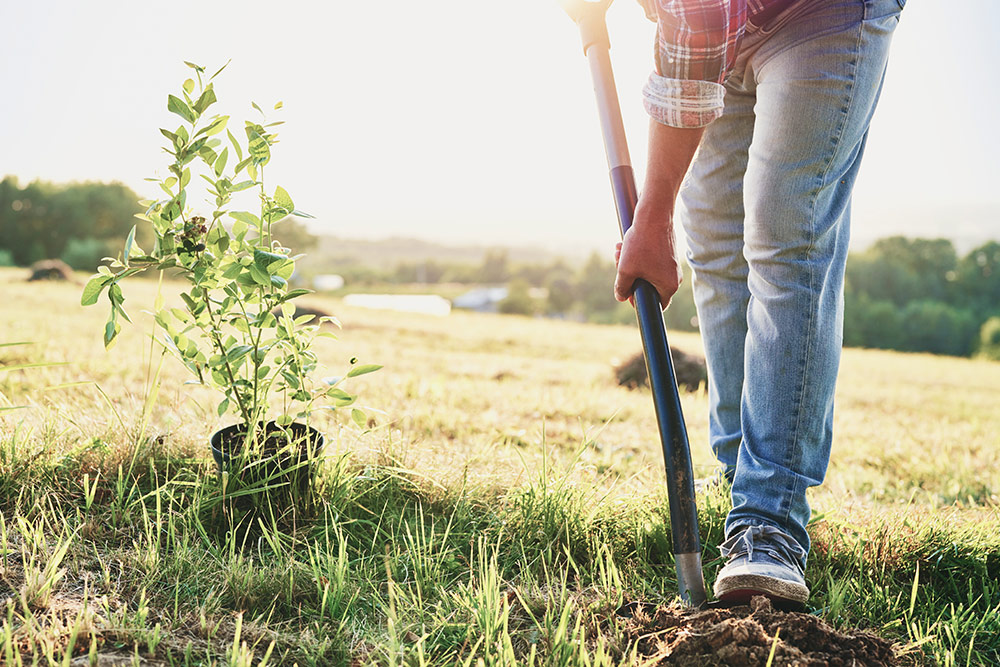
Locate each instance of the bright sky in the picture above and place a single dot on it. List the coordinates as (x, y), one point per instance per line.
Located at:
(457, 120)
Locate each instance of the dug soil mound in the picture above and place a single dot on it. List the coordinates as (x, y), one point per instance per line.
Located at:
(745, 636)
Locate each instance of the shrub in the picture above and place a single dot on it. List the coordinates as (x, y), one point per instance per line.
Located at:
(518, 301)
(85, 254)
(933, 326)
(989, 339)
(873, 323)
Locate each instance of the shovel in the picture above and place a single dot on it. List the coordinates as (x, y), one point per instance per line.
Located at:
(589, 16)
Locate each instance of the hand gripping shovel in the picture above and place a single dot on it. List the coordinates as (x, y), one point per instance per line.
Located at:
(589, 16)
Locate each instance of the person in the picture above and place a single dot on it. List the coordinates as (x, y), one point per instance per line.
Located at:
(761, 108)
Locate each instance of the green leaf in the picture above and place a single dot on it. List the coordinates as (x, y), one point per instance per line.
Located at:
(240, 229)
(303, 214)
(259, 276)
(259, 150)
(219, 71)
(266, 261)
(180, 107)
(92, 290)
(236, 146)
(223, 407)
(245, 217)
(278, 105)
(235, 354)
(362, 370)
(220, 162)
(339, 397)
(282, 199)
(294, 294)
(128, 246)
(254, 105)
(188, 86)
(192, 305)
(359, 418)
(217, 239)
(111, 330)
(213, 128)
(197, 68)
(206, 100)
(243, 164)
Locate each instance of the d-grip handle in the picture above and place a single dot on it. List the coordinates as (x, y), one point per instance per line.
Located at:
(589, 15)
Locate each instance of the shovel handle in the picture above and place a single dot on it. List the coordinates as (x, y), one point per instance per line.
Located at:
(589, 16)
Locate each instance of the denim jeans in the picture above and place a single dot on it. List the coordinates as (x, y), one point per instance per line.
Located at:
(766, 211)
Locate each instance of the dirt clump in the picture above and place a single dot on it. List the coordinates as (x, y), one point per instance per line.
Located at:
(51, 269)
(689, 369)
(745, 635)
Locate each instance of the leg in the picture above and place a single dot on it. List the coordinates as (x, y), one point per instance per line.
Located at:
(818, 79)
(711, 209)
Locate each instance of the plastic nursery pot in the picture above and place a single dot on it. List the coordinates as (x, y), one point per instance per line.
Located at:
(228, 442)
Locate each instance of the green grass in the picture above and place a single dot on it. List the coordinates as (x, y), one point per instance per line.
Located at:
(505, 499)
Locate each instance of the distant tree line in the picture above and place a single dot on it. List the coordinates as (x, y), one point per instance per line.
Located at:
(582, 292)
(902, 294)
(81, 223)
(918, 295)
(78, 222)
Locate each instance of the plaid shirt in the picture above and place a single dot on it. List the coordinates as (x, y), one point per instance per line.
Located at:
(697, 43)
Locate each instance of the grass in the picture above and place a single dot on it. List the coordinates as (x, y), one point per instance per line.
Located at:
(504, 499)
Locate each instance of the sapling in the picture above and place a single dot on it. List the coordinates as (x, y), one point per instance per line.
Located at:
(237, 330)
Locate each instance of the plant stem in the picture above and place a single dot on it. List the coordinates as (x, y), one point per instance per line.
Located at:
(214, 335)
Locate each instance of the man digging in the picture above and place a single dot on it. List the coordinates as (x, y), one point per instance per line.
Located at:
(764, 105)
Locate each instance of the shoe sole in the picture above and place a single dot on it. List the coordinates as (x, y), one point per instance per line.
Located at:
(745, 586)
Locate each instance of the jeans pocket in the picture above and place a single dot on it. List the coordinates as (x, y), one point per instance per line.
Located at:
(879, 9)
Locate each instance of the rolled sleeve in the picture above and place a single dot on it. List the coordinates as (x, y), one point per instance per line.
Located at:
(682, 102)
(695, 48)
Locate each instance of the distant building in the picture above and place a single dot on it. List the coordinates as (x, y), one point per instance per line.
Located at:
(483, 299)
(328, 282)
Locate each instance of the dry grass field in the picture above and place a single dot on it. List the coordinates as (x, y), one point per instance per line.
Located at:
(467, 406)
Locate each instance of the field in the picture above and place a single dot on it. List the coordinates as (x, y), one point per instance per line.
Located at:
(502, 500)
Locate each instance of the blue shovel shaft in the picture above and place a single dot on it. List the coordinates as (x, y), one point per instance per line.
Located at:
(663, 382)
(670, 420)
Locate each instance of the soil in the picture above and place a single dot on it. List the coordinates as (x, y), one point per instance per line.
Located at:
(228, 442)
(689, 369)
(744, 635)
(51, 269)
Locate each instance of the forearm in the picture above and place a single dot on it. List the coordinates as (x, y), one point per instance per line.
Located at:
(671, 150)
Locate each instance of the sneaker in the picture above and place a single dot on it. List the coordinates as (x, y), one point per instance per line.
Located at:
(762, 561)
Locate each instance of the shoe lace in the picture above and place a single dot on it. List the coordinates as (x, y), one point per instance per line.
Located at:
(765, 539)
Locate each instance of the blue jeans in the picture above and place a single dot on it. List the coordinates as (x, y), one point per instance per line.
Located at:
(766, 210)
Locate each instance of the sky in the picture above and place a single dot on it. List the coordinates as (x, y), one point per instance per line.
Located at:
(458, 121)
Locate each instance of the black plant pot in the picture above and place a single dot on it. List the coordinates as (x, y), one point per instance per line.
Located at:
(227, 443)
(277, 472)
